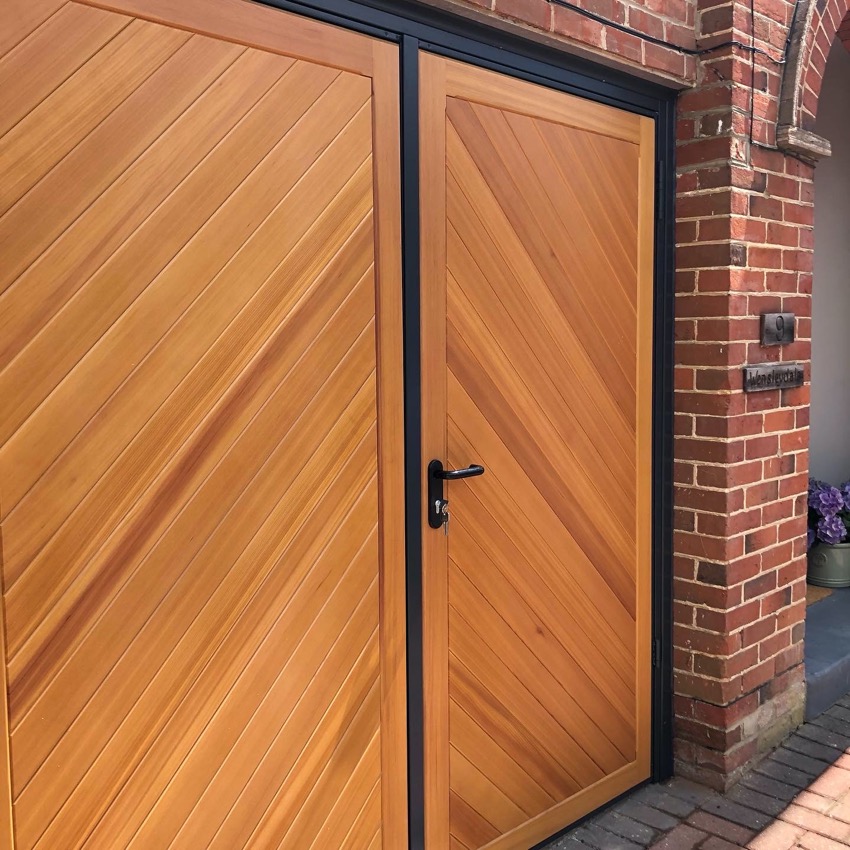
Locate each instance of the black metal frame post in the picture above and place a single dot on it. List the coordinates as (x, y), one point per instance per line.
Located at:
(416, 27)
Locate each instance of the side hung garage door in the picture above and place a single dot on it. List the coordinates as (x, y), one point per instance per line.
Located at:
(203, 473)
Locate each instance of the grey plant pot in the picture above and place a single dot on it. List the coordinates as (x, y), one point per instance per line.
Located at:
(829, 566)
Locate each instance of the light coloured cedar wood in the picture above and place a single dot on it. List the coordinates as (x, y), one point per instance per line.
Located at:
(590, 732)
(549, 248)
(643, 511)
(390, 360)
(435, 592)
(22, 17)
(255, 25)
(48, 132)
(576, 458)
(106, 152)
(613, 555)
(490, 88)
(602, 727)
(336, 728)
(199, 330)
(544, 767)
(155, 698)
(39, 441)
(470, 828)
(501, 149)
(484, 796)
(311, 507)
(44, 60)
(562, 604)
(526, 266)
(358, 836)
(541, 535)
(221, 508)
(193, 538)
(574, 414)
(474, 742)
(223, 112)
(266, 695)
(511, 694)
(344, 816)
(545, 586)
(7, 819)
(223, 367)
(594, 201)
(567, 362)
(548, 823)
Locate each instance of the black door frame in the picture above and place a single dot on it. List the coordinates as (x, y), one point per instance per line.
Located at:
(416, 27)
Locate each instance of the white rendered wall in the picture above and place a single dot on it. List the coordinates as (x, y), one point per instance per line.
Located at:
(830, 422)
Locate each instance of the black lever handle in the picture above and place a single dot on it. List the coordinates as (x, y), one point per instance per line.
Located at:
(454, 474)
(438, 514)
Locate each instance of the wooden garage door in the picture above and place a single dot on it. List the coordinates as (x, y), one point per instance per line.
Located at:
(200, 433)
(537, 325)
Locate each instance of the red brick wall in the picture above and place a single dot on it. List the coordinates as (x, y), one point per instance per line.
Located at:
(745, 240)
(668, 20)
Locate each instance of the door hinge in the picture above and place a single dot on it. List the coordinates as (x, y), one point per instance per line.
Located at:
(656, 652)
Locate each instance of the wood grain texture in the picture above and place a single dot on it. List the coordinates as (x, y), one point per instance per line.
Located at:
(538, 307)
(202, 498)
(255, 25)
(387, 159)
(435, 576)
(22, 17)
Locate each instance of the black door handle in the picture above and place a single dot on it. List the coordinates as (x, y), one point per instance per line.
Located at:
(438, 506)
(454, 474)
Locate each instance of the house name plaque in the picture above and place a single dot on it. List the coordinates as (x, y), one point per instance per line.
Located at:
(772, 376)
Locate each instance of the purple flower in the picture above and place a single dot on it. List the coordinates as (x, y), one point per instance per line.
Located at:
(831, 530)
(826, 500)
(845, 493)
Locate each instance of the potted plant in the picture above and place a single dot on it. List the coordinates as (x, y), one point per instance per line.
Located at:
(829, 528)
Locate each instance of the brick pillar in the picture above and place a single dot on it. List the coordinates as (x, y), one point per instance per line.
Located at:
(744, 238)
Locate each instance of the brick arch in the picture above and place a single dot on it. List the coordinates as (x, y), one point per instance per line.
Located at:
(816, 25)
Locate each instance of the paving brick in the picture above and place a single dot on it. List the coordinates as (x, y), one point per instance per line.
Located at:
(647, 814)
(811, 841)
(815, 802)
(721, 827)
(834, 783)
(843, 714)
(625, 827)
(777, 836)
(798, 760)
(815, 822)
(683, 837)
(783, 773)
(763, 803)
(601, 839)
(737, 813)
(773, 787)
(807, 747)
(715, 843)
(832, 724)
(684, 789)
(823, 736)
(660, 798)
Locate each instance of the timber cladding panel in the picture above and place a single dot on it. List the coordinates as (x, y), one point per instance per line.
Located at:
(200, 445)
(538, 215)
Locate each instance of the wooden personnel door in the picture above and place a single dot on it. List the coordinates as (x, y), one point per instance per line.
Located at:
(200, 430)
(537, 241)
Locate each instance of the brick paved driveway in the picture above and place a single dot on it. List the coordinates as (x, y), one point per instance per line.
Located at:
(799, 797)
